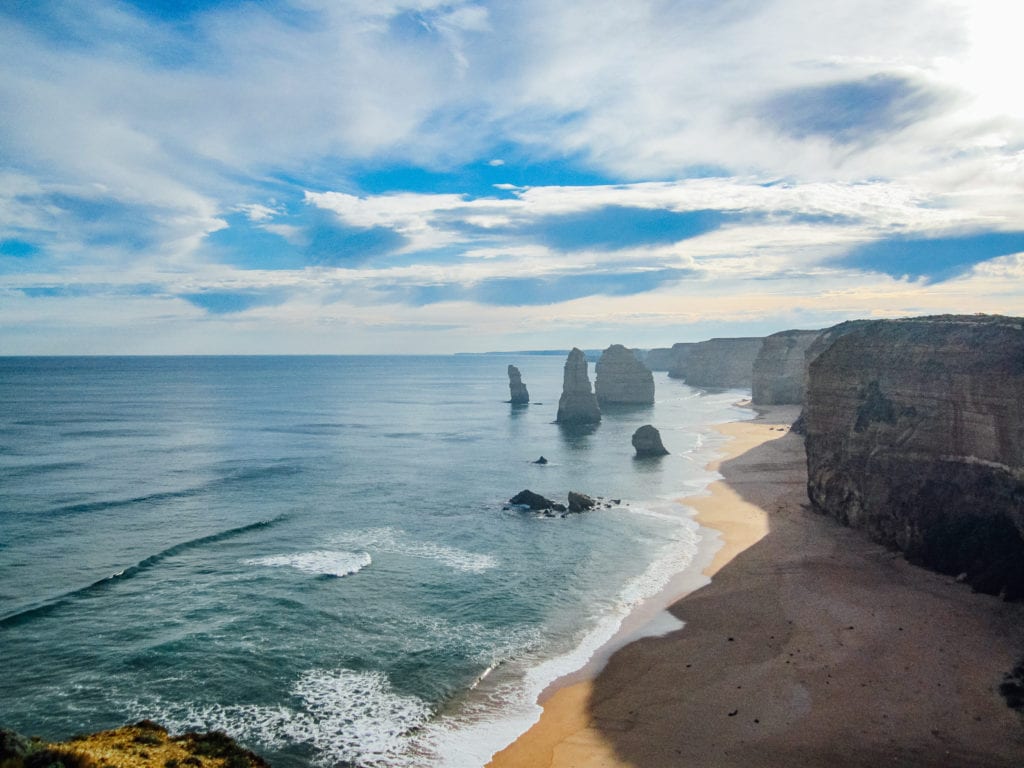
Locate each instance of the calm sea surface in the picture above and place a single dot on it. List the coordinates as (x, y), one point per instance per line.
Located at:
(312, 553)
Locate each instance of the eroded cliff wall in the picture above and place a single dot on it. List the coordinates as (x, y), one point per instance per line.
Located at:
(780, 368)
(722, 362)
(915, 433)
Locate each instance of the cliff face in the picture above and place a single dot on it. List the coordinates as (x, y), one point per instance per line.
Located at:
(517, 390)
(577, 405)
(620, 378)
(680, 359)
(723, 362)
(780, 368)
(915, 433)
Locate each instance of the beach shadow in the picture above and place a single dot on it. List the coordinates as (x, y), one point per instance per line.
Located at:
(812, 647)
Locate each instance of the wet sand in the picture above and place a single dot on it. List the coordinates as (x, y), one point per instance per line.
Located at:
(810, 647)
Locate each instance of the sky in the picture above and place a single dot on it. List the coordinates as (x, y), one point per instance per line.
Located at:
(419, 176)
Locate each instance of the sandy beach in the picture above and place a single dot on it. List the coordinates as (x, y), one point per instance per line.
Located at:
(811, 646)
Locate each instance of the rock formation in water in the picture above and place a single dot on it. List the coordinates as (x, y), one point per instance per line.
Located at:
(620, 378)
(647, 442)
(780, 368)
(577, 405)
(915, 433)
(680, 359)
(580, 502)
(723, 362)
(517, 390)
(534, 501)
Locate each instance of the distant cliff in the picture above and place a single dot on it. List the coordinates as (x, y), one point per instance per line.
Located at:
(680, 359)
(620, 378)
(667, 358)
(722, 362)
(780, 368)
(915, 433)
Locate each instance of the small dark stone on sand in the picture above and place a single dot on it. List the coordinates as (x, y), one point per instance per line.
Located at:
(734, 713)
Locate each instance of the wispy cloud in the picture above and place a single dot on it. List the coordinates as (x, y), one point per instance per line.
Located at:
(336, 171)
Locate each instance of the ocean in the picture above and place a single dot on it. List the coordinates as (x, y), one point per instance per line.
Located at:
(315, 554)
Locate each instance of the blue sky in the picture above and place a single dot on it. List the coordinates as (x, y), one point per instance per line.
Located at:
(346, 176)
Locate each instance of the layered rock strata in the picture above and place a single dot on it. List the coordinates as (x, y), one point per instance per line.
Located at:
(517, 390)
(722, 362)
(780, 368)
(577, 405)
(680, 359)
(915, 433)
(647, 442)
(620, 378)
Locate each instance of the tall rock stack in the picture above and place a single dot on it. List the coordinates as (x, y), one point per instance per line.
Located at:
(622, 379)
(577, 405)
(915, 433)
(780, 368)
(517, 390)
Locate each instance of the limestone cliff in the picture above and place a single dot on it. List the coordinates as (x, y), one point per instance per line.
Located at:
(915, 433)
(680, 359)
(620, 378)
(723, 362)
(780, 368)
(517, 390)
(577, 405)
(658, 359)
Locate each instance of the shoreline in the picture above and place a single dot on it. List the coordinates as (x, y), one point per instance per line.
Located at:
(810, 646)
(724, 533)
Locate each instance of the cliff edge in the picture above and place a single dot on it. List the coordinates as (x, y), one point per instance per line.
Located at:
(915, 433)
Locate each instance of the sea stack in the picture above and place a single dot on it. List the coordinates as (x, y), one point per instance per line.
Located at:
(647, 442)
(577, 405)
(517, 390)
(620, 378)
(915, 433)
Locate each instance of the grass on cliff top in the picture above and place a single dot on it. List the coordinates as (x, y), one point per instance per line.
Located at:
(143, 745)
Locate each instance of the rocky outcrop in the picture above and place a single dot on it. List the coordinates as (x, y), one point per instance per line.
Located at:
(577, 405)
(580, 502)
(517, 390)
(680, 359)
(723, 362)
(143, 745)
(780, 368)
(647, 442)
(915, 433)
(621, 379)
(535, 501)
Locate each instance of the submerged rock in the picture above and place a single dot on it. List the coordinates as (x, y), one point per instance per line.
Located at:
(620, 378)
(647, 442)
(517, 390)
(577, 405)
(541, 460)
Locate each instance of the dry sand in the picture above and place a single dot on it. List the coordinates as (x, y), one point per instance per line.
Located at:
(810, 647)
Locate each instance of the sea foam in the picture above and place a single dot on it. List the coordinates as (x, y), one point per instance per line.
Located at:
(398, 542)
(323, 562)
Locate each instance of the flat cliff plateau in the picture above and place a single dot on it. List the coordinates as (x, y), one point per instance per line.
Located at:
(780, 368)
(915, 433)
(722, 362)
